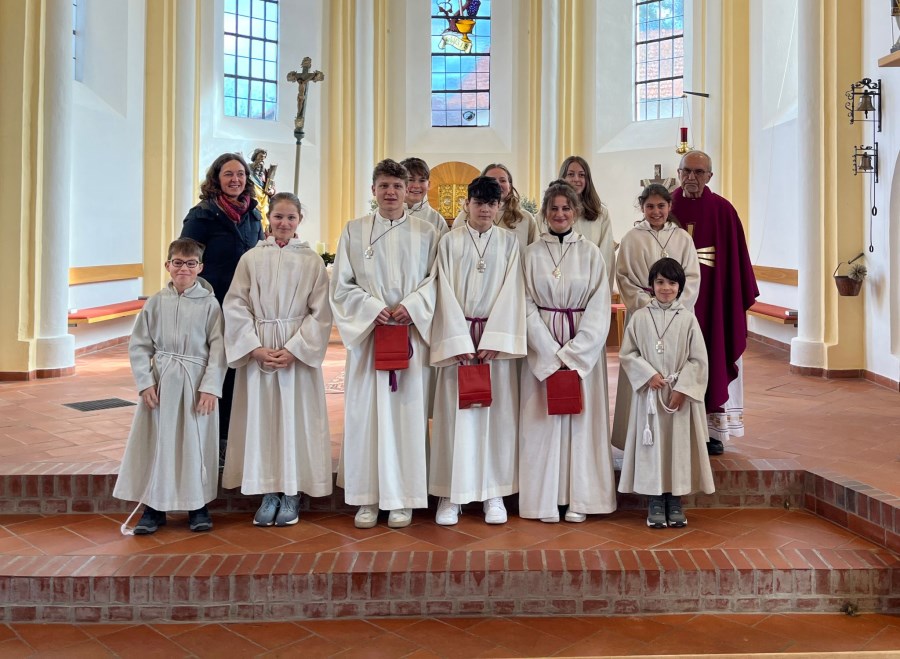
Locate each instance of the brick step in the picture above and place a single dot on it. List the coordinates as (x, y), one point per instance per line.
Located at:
(325, 568)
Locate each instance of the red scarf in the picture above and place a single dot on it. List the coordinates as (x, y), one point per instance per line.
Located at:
(233, 209)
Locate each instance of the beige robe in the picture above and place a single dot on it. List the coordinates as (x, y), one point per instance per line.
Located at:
(424, 211)
(565, 459)
(278, 438)
(639, 250)
(383, 459)
(526, 230)
(598, 232)
(677, 460)
(172, 457)
(473, 451)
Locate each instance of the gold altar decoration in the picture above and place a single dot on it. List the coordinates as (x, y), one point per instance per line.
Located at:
(449, 187)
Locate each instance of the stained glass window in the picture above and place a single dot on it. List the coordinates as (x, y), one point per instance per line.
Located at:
(659, 58)
(460, 62)
(251, 58)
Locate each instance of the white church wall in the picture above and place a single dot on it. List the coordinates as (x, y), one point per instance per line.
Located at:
(301, 30)
(882, 288)
(107, 141)
(773, 221)
(624, 150)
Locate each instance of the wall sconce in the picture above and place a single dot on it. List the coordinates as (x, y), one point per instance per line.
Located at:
(864, 98)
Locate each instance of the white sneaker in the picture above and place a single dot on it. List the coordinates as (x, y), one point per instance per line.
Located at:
(572, 516)
(494, 511)
(447, 513)
(366, 516)
(400, 518)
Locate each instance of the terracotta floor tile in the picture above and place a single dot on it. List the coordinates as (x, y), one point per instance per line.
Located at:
(519, 636)
(141, 641)
(605, 643)
(90, 649)
(887, 639)
(269, 635)
(311, 647)
(441, 536)
(15, 649)
(386, 646)
(217, 641)
(345, 633)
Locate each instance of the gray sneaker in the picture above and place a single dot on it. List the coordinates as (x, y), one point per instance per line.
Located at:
(289, 513)
(265, 516)
(674, 513)
(656, 515)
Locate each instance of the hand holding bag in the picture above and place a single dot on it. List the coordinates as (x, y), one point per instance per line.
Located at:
(474, 385)
(391, 347)
(564, 393)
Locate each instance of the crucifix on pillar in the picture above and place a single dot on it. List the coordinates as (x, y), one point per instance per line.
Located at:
(302, 77)
(670, 183)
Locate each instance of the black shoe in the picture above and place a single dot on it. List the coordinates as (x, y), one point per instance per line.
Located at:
(150, 521)
(674, 514)
(656, 514)
(715, 447)
(199, 520)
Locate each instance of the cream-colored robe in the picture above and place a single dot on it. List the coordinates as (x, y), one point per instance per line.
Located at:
(424, 211)
(598, 232)
(385, 433)
(172, 456)
(278, 438)
(473, 451)
(638, 251)
(526, 229)
(677, 460)
(565, 459)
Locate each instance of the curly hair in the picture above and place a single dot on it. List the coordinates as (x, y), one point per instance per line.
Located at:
(590, 200)
(560, 188)
(512, 209)
(210, 188)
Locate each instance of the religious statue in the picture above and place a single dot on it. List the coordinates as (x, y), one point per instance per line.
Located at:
(303, 78)
(263, 182)
(669, 183)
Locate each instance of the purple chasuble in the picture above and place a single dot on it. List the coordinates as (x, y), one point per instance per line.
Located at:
(727, 285)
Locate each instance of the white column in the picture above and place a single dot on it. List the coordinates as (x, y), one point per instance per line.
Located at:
(808, 348)
(54, 346)
(550, 87)
(187, 176)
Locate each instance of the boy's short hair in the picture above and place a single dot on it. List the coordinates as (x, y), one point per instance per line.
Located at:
(186, 247)
(392, 168)
(417, 167)
(670, 269)
(485, 189)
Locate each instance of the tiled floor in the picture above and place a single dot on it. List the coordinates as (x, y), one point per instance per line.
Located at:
(850, 427)
(740, 635)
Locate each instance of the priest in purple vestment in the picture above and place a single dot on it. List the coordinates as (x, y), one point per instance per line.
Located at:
(727, 290)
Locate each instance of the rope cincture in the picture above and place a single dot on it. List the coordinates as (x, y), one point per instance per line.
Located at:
(654, 398)
(183, 361)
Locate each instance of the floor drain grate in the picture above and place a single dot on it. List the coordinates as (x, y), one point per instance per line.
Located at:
(102, 404)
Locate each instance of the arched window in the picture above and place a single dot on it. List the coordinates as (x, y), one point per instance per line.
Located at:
(251, 58)
(659, 58)
(460, 62)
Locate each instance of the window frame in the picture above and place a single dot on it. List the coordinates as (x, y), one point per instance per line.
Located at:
(267, 77)
(639, 106)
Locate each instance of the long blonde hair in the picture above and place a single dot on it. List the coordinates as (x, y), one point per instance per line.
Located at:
(512, 208)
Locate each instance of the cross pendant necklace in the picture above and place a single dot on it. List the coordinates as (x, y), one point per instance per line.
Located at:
(557, 273)
(481, 266)
(653, 233)
(370, 250)
(660, 346)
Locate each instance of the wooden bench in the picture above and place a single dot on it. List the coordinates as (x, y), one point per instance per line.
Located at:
(93, 315)
(774, 313)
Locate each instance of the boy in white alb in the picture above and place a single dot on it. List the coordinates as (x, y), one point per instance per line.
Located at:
(479, 314)
(384, 274)
(417, 194)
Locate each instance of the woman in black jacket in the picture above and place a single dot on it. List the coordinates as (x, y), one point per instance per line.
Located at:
(226, 220)
(228, 224)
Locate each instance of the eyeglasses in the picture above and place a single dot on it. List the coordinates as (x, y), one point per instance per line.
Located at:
(178, 263)
(696, 172)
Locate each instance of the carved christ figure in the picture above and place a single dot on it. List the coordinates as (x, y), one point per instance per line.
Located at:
(303, 78)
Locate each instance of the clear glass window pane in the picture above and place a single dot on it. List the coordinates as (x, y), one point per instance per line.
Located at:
(250, 44)
(658, 58)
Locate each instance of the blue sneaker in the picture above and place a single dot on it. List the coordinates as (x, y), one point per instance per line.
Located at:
(265, 516)
(289, 512)
(150, 521)
(199, 520)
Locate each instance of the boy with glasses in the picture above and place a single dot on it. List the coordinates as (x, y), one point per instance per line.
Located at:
(177, 358)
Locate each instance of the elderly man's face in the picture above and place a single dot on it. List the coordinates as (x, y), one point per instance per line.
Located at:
(694, 174)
